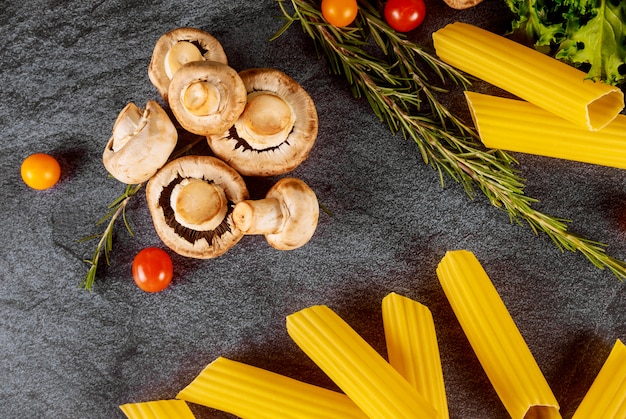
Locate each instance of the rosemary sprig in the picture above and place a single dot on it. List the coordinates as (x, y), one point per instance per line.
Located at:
(116, 208)
(399, 91)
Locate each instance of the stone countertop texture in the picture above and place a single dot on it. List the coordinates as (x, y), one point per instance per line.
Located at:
(67, 69)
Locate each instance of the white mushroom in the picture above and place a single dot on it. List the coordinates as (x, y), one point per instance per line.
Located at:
(191, 200)
(141, 143)
(287, 216)
(276, 130)
(206, 97)
(178, 47)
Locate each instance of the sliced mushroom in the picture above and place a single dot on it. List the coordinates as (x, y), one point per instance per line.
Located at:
(178, 47)
(141, 143)
(207, 97)
(191, 200)
(276, 130)
(287, 216)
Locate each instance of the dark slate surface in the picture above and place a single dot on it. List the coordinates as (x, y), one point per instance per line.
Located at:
(68, 69)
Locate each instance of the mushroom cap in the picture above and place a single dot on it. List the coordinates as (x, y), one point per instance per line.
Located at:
(462, 4)
(209, 48)
(201, 243)
(285, 148)
(206, 97)
(301, 213)
(141, 143)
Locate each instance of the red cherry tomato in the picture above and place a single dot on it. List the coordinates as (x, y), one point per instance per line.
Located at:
(40, 171)
(152, 269)
(405, 15)
(339, 13)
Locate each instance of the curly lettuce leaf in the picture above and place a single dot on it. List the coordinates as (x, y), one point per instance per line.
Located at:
(534, 22)
(600, 44)
(589, 34)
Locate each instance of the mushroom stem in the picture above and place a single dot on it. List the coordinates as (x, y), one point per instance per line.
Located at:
(201, 98)
(287, 216)
(199, 204)
(181, 53)
(263, 216)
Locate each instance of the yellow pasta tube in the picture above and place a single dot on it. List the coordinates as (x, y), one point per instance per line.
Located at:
(252, 392)
(363, 374)
(515, 125)
(497, 342)
(535, 77)
(606, 398)
(412, 348)
(158, 409)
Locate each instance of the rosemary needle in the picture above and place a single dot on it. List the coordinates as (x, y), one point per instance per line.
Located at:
(399, 91)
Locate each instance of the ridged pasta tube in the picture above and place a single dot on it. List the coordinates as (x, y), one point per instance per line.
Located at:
(530, 75)
(519, 126)
(361, 372)
(496, 340)
(606, 398)
(252, 392)
(158, 409)
(412, 348)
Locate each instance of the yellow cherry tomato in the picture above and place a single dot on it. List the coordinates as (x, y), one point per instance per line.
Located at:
(339, 13)
(40, 171)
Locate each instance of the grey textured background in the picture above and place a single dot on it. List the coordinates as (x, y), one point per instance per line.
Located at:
(67, 69)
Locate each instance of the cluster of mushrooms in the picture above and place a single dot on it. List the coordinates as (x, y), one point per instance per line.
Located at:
(257, 122)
